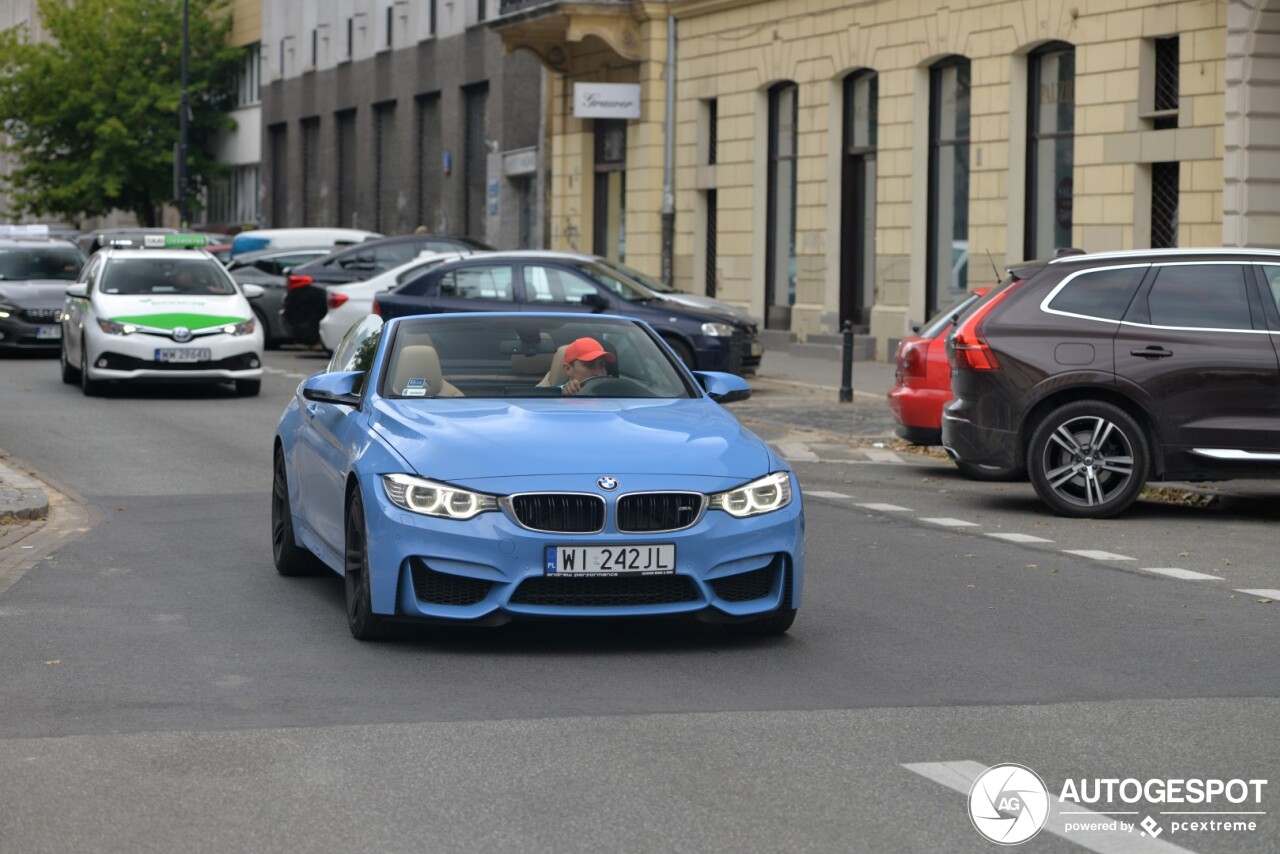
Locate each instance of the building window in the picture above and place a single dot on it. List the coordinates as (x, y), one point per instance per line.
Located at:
(481, 10)
(712, 200)
(385, 175)
(390, 25)
(609, 223)
(249, 77)
(858, 197)
(1164, 205)
(947, 265)
(1165, 102)
(351, 37)
(233, 198)
(348, 216)
(1050, 149)
(311, 172)
(430, 165)
(476, 158)
(282, 41)
(278, 146)
(315, 47)
(431, 17)
(780, 241)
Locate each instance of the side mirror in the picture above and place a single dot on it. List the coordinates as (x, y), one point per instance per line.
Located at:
(340, 388)
(79, 291)
(722, 387)
(595, 302)
(251, 291)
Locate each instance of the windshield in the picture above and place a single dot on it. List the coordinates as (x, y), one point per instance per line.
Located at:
(39, 262)
(648, 281)
(168, 276)
(504, 356)
(620, 286)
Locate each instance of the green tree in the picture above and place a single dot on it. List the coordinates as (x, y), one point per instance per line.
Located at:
(99, 104)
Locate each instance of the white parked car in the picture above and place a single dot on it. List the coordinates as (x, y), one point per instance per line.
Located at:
(349, 304)
(166, 312)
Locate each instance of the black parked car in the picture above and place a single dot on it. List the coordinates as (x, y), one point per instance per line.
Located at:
(705, 340)
(270, 269)
(1101, 372)
(34, 276)
(305, 301)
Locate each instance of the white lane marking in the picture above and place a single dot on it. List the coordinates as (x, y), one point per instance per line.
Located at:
(959, 776)
(1265, 594)
(797, 451)
(886, 508)
(1185, 574)
(951, 523)
(1019, 538)
(878, 456)
(1094, 554)
(821, 494)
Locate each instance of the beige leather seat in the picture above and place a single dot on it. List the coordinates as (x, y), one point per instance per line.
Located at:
(420, 361)
(556, 375)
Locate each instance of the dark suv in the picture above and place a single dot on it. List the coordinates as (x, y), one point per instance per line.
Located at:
(1101, 372)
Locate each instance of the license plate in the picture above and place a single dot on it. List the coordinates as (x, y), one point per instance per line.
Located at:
(54, 332)
(757, 348)
(173, 354)
(651, 559)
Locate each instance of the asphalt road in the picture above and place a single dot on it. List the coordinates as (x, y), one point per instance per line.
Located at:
(162, 689)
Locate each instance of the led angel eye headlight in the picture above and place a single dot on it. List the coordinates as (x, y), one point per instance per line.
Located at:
(112, 327)
(244, 327)
(769, 493)
(431, 498)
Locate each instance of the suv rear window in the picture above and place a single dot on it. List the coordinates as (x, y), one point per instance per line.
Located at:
(1098, 293)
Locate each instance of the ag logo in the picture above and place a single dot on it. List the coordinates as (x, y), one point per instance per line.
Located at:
(1008, 804)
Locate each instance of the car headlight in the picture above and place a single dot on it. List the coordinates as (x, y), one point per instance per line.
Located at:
(769, 493)
(431, 498)
(718, 330)
(111, 327)
(244, 327)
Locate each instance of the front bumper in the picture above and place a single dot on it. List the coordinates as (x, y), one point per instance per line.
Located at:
(490, 570)
(133, 357)
(19, 333)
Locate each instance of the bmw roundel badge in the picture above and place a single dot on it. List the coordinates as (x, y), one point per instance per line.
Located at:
(607, 483)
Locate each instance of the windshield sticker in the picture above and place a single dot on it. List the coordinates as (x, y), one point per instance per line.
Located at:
(414, 392)
(417, 382)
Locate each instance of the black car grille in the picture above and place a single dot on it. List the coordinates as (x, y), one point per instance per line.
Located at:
(588, 592)
(442, 588)
(658, 511)
(42, 315)
(562, 513)
(120, 362)
(745, 586)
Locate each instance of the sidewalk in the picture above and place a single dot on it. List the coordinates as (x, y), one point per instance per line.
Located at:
(21, 496)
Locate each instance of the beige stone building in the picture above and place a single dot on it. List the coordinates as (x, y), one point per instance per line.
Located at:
(872, 160)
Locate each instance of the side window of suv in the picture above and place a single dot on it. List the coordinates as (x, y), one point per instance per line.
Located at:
(1272, 274)
(1203, 296)
(1098, 293)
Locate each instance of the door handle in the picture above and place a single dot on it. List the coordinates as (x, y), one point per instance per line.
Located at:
(1153, 352)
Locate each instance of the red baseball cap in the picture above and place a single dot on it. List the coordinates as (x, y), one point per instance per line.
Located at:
(588, 350)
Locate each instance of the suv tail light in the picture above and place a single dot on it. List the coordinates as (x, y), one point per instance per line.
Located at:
(297, 280)
(913, 358)
(336, 300)
(969, 349)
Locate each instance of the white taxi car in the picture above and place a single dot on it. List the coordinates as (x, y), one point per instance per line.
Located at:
(163, 311)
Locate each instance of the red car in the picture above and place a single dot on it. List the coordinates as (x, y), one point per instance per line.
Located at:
(922, 382)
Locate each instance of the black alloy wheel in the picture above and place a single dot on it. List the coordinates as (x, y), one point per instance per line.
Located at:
(363, 622)
(290, 558)
(1088, 459)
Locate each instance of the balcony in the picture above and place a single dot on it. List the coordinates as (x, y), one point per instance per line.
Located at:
(509, 7)
(554, 30)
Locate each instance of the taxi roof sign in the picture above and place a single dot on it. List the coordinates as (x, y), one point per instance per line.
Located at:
(174, 241)
(40, 230)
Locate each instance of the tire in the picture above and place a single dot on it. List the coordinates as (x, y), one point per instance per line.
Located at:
(363, 622)
(776, 623)
(990, 475)
(70, 375)
(290, 558)
(248, 388)
(1088, 459)
(682, 350)
(90, 387)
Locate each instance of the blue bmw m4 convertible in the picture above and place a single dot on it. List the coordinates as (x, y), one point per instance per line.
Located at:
(479, 468)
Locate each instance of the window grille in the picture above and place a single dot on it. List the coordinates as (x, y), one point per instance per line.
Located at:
(386, 177)
(311, 172)
(347, 211)
(475, 166)
(1166, 81)
(1164, 205)
(430, 165)
(279, 176)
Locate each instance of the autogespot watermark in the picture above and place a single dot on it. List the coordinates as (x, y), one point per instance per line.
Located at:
(1009, 804)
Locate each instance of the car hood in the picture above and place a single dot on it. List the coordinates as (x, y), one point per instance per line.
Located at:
(170, 311)
(467, 441)
(49, 293)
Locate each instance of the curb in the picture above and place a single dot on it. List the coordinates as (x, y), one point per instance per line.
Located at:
(21, 496)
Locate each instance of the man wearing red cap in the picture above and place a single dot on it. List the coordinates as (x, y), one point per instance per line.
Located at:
(584, 359)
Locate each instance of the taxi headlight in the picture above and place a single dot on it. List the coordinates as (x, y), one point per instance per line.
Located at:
(431, 498)
(718, 330)
(112, 327)
(769, 493)
(244, 327)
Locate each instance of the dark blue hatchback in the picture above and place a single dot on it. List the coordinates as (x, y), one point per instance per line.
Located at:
(530, 281)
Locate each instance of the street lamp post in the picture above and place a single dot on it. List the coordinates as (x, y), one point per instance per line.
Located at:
(183, 110)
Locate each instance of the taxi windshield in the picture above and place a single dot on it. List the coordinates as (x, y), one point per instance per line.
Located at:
(165, 276)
